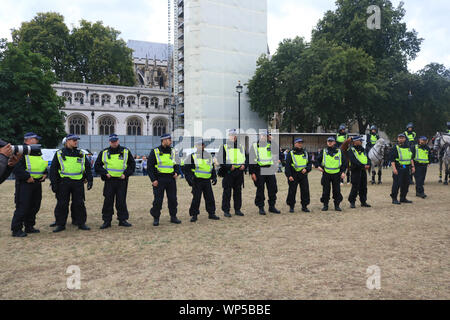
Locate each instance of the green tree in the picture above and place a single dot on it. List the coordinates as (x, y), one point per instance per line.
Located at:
(27, 100)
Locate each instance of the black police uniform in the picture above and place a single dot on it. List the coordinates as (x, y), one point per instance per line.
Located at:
(299, 179)
(115, 188)
(7, 169)
(421, 171)
(333, 179)
(28, 198)
(401, 180)
(64, 188)
(358, 176)
(265, 176)
(232, 180)
(166, 182)
(200, 185)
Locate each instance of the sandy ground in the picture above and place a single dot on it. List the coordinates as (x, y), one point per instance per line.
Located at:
(289, 256)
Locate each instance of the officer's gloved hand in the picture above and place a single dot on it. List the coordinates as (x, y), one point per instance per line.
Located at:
(54, 187)
(90, 184)
(214, 182)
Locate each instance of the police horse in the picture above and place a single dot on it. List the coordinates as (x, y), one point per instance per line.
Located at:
(442, 147)
(376, 156)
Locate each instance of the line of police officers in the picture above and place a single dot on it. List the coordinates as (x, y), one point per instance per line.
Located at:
(70, 170)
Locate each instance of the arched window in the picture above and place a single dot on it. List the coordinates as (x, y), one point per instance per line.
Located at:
(159, 127)
(79, 97)
(106, 125)
(95, 98)
(155, 102)
(67, 96)
(145, 102)
(166, 102)
(131, 100)
(77, 125)
(120, 100)
(134, 127)
(106, 99)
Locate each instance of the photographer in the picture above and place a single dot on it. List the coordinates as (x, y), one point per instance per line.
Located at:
(7, 161)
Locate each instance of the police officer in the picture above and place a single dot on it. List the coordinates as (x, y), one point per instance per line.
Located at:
(298, 165)
(422, 160)
(69, 170)
(262, 171)
(163, 172)
(114, 165)
(199, 172)
(341, 136)
(232, 161)
(30, 172)
(333, 165)
(372, 138)
(410, 134)
(401, 162)
(359, 164)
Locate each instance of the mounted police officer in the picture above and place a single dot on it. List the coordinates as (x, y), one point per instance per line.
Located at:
(69, 171)
(341, 136)
(163, 172)
(422, 160)
(359, 164)
(199, 172)
(401, 162)
(114, 165)
(30, 172)
(410, 134)
(298, 165)
(371, 139)
(333, 165)
(232, 161)
(262, 171)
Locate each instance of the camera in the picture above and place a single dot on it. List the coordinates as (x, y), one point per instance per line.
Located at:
(33, 149)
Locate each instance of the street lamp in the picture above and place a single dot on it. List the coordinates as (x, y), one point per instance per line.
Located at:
(173, 107)
(239, 91)
(92, 115)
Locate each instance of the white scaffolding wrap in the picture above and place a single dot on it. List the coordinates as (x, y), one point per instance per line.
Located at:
(223, 40)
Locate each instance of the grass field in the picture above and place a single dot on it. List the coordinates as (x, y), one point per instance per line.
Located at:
(289, 256)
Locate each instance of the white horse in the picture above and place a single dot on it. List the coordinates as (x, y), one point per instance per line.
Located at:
(376, 156)
(442, 143)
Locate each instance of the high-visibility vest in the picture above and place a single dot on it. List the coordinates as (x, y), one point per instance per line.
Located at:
(410, 136)
(404, 156)
(421, 155)
(71, 167)
(115, 164)
(165, 161)
(340, 138)
(299, 161)
(332, 164)
(373, 138)
(35, 166)
(263, 155)
(234, 156)
(203, 167)
(361, 156)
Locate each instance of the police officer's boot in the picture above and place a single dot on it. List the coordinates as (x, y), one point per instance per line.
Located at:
(227, 214)
(337, 208)
(194, 218)
(105, 225)
(53, 225)
(19, 234)
(274, 210)
(365, 205)
(124, 223)
(84, 227)
(305, 209)
(213, 217)
(352, 205)
(31, 230)
(395, 201)
(239, 213)
(156, 222)
(175, 220)
(325, 207)
(405, 201)
(262, 211)
(59, 228)
(291, 209)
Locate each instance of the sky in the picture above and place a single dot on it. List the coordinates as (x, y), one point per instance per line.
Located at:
(147, 20)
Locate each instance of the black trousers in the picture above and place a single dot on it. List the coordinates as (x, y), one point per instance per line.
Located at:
(66, 189)
(199, 187)
(271, 182)
(232, 182)
(401, 182)
(28, 198)
(421, 173)
(166, 184)
(327, 181)
(359, 185)
(302, 180)
(115, 189)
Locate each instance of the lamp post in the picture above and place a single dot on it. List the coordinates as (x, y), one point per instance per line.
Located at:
(173, 106)
(239, 91)
(92, 115)
(148, 129)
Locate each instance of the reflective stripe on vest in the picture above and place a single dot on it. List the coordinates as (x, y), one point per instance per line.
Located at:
(341, 138)
(72, 167)
(203, 167)
(299, 161)
(114, 165)
(234, 156)
(404, 156)
(35, 166)
(361, 156)
(165, 161)
(332, 164)
(263, 155)
(421, 155)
